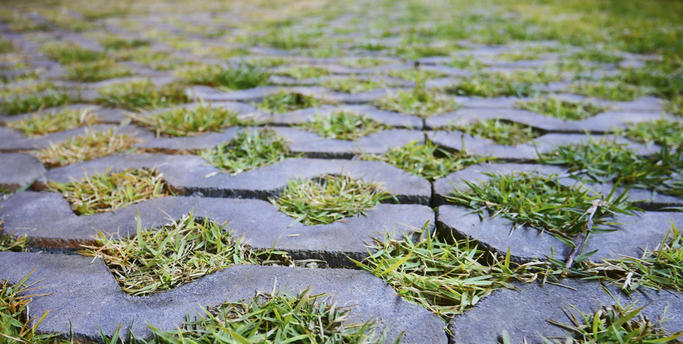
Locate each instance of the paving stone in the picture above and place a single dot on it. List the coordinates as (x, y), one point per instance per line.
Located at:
(389, 118)
(18, 170)
(190, 174)
(82, 296)
(41, 142)
(524, 313)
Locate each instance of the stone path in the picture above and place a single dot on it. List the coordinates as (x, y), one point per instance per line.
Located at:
(83, 297)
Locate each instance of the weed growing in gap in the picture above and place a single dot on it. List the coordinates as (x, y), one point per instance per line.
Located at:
(249, 150)
(518, 84)
(419, 102)
(541, 202)
(562, 109)
(343, 125)
(142, 94)
(609, 90)
(501, 131)
(284, 101)
(662, 132)
(610, 162)
(34, 102)
(317, 202)
(177, 253)
(91, 145)
(237, 77)
(43, 124)
(190, 122)
(8, 242)
(110, 191)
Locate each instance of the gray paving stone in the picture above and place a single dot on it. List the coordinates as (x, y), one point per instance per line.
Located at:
(524, 313)
(189, 174)
(83, 297)
(18, 170)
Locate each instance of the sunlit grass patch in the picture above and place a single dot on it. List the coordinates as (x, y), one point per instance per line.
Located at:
(91, 145)
(249, 150)
(142, 94)
(606, 161)
(68, 53)
(343, 125)
(304, 72)
(661, 132)
(188, 122)
(182, 251)
(110, 191)
(426, 160)
(614, 91)
(330, 199)
(419, 102)
(541, 202)
(275, 318)
(284, 101)
(353, 84)
(96, 71)
(500, 131)
(562, 109)
(518, 84)
(237, 77)
(34, 101)
(42, 124)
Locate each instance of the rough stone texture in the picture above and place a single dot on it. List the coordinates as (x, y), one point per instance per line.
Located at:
(524, 312)
(18, 170)
(190, 174)
(83, 297)
(48, 220)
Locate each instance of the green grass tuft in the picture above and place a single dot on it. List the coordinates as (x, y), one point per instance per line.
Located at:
(42, 124)
(609, 90)
(598, 55)
(519, 84)
(242, 76)
(562, 109)
(343, 125)
(68, 53)
(110, 191)
(316, 202)
(304, 72)
(189, 122)
(500, 131)
(247, 151)
(34, 101)
(661, 132)
(353, 84)
(142, 94)
(119, 43)
(91, 145)
(284, 101)
(419, 102)
(96, 71)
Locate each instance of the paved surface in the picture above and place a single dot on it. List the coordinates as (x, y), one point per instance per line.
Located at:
(85, 296)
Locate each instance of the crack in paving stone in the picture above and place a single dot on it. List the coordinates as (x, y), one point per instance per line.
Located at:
(83, 298)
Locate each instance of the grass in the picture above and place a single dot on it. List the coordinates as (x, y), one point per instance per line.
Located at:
(247, 151)
(284, 101)
(93, 144)
(353, 84)
(190, 122)
(466, 62)
(415, 74)
(604, 161)
(43, 124)
(112, 42)
(598, 55)
(239, 77)
(110, 191)
(6, 46)
(426, 160)
(34, 102)
(177, 253)
(527, 53)
(304, 72)
(8, 242)
(142, 94)
(541, 202)
(67, 53)
(274, 318)
(343, 125)
(419, 102)
(662, 132)
(501, 132)
(613, 91)
(96, 71)
(363, 62)
(562, 109)
(330, 199)
(518, 84)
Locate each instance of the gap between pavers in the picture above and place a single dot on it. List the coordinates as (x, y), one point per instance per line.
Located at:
(84, 298)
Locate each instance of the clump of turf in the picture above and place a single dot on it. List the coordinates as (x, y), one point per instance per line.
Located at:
(562, 109)
(662, 132)
(275, 318)
(34, 102)
(606, 161)
(519, 84)
(9, 242)
(330, 199)
(177, 253)
(419, 102)
(284, 101)
(541, 202)
(189, 122)
(142, 94)
(353, 84)
(91, 145)
(68, 53)
(249, 150)
(304, 72)
(615, 91)
(42, 124)
(237, 77)
(110, 191)
(426, 160)
(502, 132)
(96, 71)
(343, 125)
(113, 42)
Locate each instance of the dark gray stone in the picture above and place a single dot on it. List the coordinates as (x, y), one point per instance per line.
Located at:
(524, 313)
(18, 170)
(82, 297)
